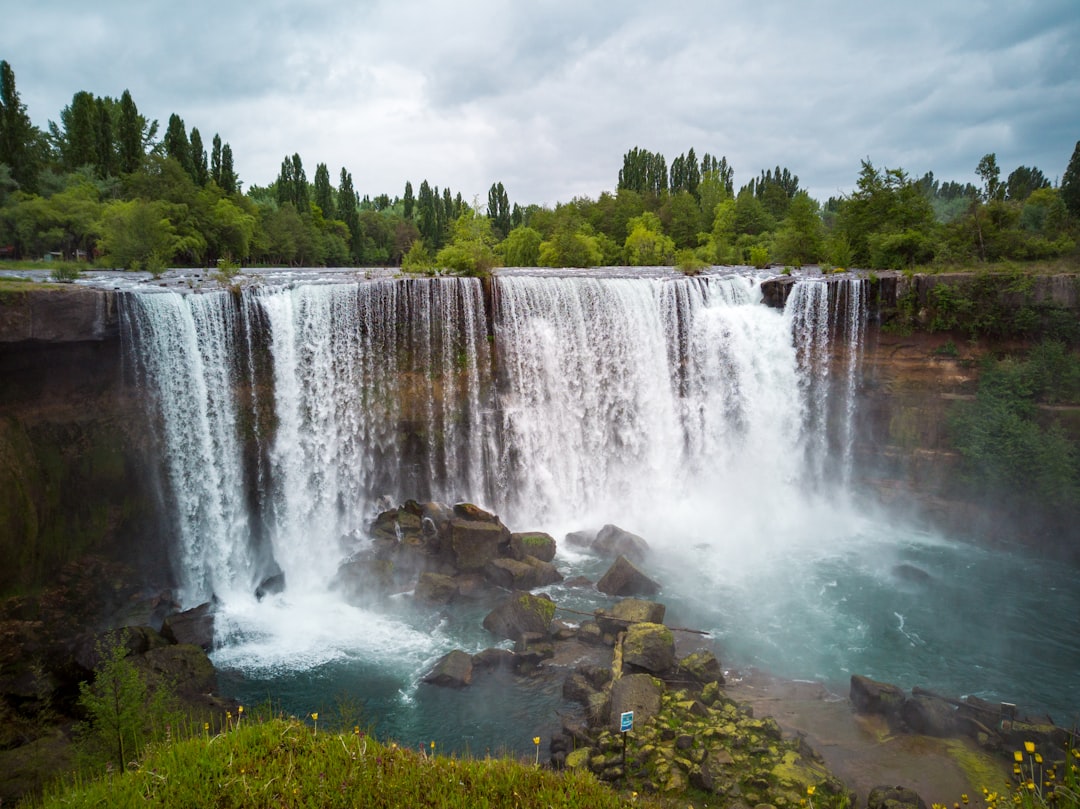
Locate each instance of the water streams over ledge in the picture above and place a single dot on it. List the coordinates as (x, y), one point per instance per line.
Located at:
(679, 408)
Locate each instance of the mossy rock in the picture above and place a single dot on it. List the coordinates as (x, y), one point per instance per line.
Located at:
(650, 647)
(578, 759)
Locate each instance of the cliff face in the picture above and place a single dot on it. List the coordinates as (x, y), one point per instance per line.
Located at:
(77, 449)
(74, 441)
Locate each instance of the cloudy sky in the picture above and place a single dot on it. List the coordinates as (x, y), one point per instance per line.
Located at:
(546, 96)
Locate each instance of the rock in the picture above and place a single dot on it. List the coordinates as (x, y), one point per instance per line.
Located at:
(931, 716)
(630, 611)
(271, 585)
(702, 667)
(580, 539)
(136, 640)
(590, 632)
(650, 647)
(873, 697)
(639, 693)
(519, 614)
(536, 544)
(467, 511)
(435, 588)
(614, 541)
(475, 543)
(898, 797)
(524, 575)
(453, 670)
(195, 626)
(183, 666)
(578, 581)
(623, 579)
(577, 688)
(493, 658)
(363, 578)
(578, 759)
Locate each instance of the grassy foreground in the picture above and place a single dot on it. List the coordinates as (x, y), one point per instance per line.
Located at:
(286, 762)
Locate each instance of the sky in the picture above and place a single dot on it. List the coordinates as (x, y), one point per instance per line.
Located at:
(547, 96)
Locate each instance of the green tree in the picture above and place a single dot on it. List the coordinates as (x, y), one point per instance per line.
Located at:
(230, 183)
(75, 139)
(138, 233)
(323, 193)
(177, 145)
(1070, 183)
(408, 201)
(498, 210)
(1022, 182)
(129, 136)
(123, 713)
(20, 142)
(990, 174)
(681, 217)
(646, 245)
(104, 148)
(522, 247)
(427, 215)
(471, 247)
(215, 160)
(200, 172)
(799, 240)
(348, 212)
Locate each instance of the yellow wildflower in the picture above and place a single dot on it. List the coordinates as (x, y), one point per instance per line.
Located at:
(1018, 756)
(315, 716)
(536, 740)
(1029, 746)
(810, 789)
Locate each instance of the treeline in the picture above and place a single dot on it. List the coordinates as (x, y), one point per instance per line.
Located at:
(100, 184)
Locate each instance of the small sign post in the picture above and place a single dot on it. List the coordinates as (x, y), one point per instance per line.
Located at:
(626, 722)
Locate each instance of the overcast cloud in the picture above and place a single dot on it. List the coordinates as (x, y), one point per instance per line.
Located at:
(546, 97)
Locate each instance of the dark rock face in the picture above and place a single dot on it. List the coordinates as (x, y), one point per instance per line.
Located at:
(624, 579)
(649, 647)
(873, 697)
(519, 615)
(929, 715)
(702, 667)
(630, 611)
(525, 575)
(194, 626)
(536, 544)
(453, 670)
(476, 543)
(436, 588)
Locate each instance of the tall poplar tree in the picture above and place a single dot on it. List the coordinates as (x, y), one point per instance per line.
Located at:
(129, 136)
(176, 143)
(1070, 183)
(408, 201)
(215, 160)
(348, 213)
(200, 173)
(230, 183)
(324, 196)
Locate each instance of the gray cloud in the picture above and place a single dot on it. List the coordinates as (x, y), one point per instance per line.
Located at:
(547, 97)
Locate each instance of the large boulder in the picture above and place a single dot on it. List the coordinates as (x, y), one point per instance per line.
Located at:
(184, 666)
(519, 615)
(435, 588)
(650, 647)
(930, 716)
(640, 693)
(873, 697)
(472, 513)
(624, 579)
(475, 543)
(521, 575)
(630, 611)
(611, 540)
(536, 544)
(702, 667)
(453, 670)
(194, 626)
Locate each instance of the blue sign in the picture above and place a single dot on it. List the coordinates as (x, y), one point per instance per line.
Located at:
(626, 721)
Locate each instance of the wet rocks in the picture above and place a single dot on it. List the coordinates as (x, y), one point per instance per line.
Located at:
(886, 797)
(611, 540)
(648, 647)
(453, 670)
(519, 615)
(624, 578)
(535, 544)
(194, 626)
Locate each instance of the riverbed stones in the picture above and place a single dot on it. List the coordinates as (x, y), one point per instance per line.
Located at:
(453, 670)
(436, 588)
(873, 697)
(623, 578)
(630, 611)
(534, 544)
(929, 715)
(475, 543)
(897, 797)
(702, 667)
(648, 647)
(526, 574)
(520, 614)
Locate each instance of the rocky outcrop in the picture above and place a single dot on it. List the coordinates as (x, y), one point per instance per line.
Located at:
(624, 578)
(519, 616)
(649, 648)
(453, 670)
(58, 314)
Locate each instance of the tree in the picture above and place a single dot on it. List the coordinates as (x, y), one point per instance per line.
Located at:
(471, 248)
(347, 210)
(215, 160)
(498, 210)
(129, 136)
(646, 245)
(76, 137)
(177, 145)
(799, 238)
(230, 183)
(137, 233)
(427, 216)
(104, 148)
(990, 174)
(408, 201)
(19, 139)
(1023, 181)
(522, 247)
(324, 195)
(200, 173)
(1070, 183)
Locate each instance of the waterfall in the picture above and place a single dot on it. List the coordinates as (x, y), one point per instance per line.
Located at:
(287, 413)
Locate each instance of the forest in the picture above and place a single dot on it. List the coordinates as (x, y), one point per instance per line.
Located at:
(104, 185)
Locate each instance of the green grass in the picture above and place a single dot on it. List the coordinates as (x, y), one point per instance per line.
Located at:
(285, 762)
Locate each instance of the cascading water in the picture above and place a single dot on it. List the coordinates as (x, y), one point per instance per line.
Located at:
(680, 408)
